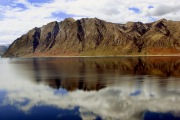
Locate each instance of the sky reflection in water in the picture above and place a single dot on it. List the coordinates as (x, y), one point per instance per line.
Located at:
(90, 88)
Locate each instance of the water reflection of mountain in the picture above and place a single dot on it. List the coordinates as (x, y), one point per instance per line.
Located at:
(97, 73)
(67, 73)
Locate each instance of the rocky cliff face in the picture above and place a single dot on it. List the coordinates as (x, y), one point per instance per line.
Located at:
(94, 37)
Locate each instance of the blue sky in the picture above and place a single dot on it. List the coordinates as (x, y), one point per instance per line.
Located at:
(39, 1)
(5, 2)
(135, 10)
(8, 2)
(19, 16)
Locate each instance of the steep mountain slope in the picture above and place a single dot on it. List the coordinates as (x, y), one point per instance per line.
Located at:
(162, 38)
(94, 37)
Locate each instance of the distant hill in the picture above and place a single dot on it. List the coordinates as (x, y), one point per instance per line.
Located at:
(95, 37)
(3, 48)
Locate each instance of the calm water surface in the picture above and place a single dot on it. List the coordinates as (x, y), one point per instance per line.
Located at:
(124, 88)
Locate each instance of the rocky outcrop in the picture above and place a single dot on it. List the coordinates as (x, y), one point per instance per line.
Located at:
(95, 37)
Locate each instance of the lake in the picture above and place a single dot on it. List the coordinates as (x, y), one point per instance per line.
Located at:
(117, 88)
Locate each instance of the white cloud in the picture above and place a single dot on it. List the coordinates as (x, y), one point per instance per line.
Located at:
(17, 21)
(112, 102)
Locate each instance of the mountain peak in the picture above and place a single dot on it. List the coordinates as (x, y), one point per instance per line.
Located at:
(162, 20)
(95, 37)
(70, 20)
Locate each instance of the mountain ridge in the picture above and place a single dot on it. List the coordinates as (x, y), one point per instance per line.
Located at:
(95, 37)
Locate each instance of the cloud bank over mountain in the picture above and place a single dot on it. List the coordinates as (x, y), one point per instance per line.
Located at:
(18, 16)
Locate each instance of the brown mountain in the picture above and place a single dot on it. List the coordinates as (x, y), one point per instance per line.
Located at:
(94, 37)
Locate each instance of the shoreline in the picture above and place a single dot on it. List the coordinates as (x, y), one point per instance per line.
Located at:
(95, 56)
